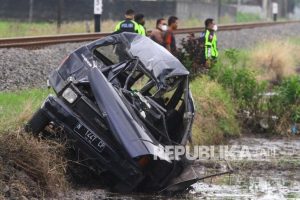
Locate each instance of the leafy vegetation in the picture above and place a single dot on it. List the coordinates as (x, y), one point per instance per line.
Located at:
(262, 83)
(285, 104)
(240, 81)
(190, 54)
(215, 112)
(257, 100)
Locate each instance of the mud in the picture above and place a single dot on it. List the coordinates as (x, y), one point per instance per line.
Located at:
(274, 176)
(271, 177)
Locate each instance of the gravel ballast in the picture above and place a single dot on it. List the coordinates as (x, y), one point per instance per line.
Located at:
(21, 68)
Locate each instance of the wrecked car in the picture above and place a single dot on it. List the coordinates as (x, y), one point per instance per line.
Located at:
(119, 99)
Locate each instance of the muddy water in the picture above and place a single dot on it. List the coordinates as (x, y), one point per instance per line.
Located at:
(266, 176)
(252, 185)
(274, 176)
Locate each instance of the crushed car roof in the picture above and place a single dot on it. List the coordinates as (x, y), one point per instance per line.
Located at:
(159, 62)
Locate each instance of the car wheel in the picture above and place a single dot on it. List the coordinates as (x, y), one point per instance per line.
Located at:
(37, 123)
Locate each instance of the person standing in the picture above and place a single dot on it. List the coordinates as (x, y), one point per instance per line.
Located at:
(158, 33)
(169, 38)
(128, 25)
(209, 41)
(140, 20)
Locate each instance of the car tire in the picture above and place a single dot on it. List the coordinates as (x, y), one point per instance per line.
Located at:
(37, 123)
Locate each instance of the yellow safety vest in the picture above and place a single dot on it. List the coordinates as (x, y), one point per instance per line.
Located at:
(142, 30)
(211, 49)
(127, 26)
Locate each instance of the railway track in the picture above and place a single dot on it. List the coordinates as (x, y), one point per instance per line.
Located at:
(41, 41)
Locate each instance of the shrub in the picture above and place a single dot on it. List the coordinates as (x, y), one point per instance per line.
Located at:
(246, 76)
(285, 105)
(289, 91)
(190, 53)
(215, 112)
(241, 82)
(275, 60)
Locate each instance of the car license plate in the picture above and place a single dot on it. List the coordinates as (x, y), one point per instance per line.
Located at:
(89, 137)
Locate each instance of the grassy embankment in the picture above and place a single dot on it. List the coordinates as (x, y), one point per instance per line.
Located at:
(248, 75)
(238, 85)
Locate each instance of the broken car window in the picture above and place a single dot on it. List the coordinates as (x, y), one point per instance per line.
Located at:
(111, 54)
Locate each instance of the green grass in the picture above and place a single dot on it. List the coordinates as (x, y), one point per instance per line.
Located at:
(9, 28)
(215, 112)
(294, 40)
(19, 29)
(247, 17)
(16, 107)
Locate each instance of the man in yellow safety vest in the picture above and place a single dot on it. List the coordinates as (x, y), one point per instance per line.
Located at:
(128, 25)
(140, 20)
(209, 41)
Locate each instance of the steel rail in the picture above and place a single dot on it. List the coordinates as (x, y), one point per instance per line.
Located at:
(41, 41)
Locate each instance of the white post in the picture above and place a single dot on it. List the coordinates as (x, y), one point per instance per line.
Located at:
(275, 11)
(97, 14)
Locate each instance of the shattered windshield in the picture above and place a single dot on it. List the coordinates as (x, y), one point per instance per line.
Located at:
(111, 54)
